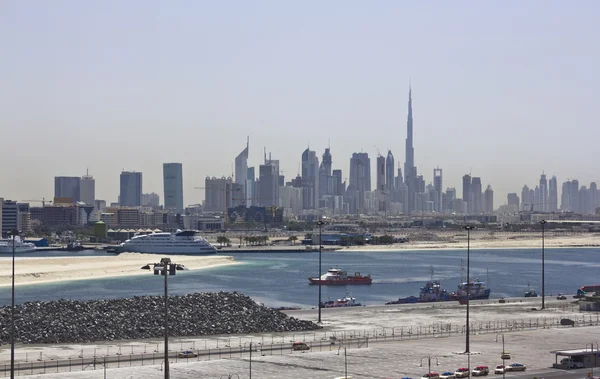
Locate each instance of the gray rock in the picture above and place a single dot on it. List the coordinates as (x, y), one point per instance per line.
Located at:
(72, 321)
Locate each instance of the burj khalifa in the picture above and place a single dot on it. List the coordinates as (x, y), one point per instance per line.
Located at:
(410, 171)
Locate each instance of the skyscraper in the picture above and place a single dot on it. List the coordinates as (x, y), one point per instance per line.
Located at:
(360, 180)
(437, 186)
(87, 189)
(489, 200)
(410, 171)
(325, 178)
(381, 173)
(390, 184)
(67, 186)
(543, 200)
(241, 170)
(476, 194)
(173, 186)
(552, 195)
(131, 189)
(466, 193)
(525, 201)
(310, 179)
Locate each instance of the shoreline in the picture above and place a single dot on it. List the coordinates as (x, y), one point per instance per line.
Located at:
(44, 270)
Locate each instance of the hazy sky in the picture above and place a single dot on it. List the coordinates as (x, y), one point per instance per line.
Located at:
(501, 89)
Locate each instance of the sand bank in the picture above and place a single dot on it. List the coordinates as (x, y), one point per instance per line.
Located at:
(490, 242)
(46, 270)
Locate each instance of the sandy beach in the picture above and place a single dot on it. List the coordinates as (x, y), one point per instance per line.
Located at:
(46, 270)
(490, 241)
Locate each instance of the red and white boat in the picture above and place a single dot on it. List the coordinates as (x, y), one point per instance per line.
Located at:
(337, 276)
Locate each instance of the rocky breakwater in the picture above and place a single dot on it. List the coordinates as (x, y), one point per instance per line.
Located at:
(71, 321)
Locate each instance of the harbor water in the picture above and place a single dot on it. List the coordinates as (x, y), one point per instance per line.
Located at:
(280, 279)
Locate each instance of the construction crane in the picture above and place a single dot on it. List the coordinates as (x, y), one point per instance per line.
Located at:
(43, 201)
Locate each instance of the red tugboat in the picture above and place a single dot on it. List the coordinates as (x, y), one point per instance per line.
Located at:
(337, 276)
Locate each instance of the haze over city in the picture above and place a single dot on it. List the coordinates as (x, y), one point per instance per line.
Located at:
(499, 91)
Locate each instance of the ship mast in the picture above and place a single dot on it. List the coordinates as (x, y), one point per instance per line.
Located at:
(431, 270)
(462, 269)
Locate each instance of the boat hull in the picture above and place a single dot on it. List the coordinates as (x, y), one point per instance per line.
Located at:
(162, 250)
(340, 282)
(8, 250)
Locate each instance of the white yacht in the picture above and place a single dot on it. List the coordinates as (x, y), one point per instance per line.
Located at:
(180, 242)
(6, 246)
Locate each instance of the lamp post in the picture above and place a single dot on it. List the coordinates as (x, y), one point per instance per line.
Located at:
(320, 223)
(429, 357)
(592, 348)
(166, 267)
(503, 355)
(543, 222)
(250, 345)
(345, 361)
(14, 234)
(468, 228)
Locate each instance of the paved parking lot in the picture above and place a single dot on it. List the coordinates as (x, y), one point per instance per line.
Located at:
(393, 359)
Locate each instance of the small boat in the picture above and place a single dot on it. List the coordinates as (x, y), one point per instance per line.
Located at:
(530, 292)
(430, 293)
(73, 246)
(339, 303)
(477, 291)
(337, 276)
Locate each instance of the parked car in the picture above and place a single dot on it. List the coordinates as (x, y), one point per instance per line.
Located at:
(561, 297)
(187, 354)
(431, 375)
(567, 321)
(300, 346)
(462, 372)
(505, 355)
(481, 371)
(447, 375)
(516, 367)
(500, 369)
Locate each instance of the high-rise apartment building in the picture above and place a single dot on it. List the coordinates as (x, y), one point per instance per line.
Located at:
(9, 216)
(466, 192)
(390, 184)
(268, 185)
(380, 173)
(476, 195)
(325, 177)
(67, 187)
(359, 182)
(131, 189)
(488, 200)
(173, 187)
(310, 179)
(552, 195)
(437, 187)
(215, 194)
(543, 199)
(513, 199)
(87, 189)
(151, 200)
(241, 171)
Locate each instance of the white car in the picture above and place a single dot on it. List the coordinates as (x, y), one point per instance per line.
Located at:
(447, 375)
(500, 369)
(431, 375)
(462, 372)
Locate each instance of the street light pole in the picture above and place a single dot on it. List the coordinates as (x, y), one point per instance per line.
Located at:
(320, 223)
(166, 267)
(12, 310)
(468, 228)
(543, 222)
(428, 357)
(503, 352)
(250, 344)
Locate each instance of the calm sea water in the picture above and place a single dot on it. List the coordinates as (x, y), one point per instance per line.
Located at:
(280, 279)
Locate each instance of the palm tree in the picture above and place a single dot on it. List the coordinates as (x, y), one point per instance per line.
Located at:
(293, 239)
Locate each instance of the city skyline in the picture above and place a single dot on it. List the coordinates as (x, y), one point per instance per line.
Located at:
(503, 105)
